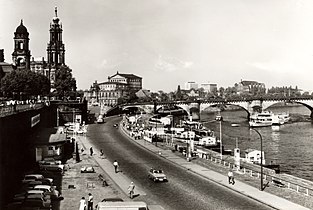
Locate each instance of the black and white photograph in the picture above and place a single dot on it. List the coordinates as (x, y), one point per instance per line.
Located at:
(156, 104)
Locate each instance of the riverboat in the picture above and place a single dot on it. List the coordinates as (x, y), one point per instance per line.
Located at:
(264, 119)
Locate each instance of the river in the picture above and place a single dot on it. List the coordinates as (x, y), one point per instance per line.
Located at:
(291, 146)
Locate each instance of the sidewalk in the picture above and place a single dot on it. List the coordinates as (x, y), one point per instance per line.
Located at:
(240, 187)
(122, 181)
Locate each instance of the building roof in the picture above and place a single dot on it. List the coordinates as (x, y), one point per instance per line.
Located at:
(113, 83)
(247, 83)
(6, 67)
(21, 29)
(129, 76)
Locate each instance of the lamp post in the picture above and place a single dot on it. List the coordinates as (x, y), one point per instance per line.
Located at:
(261, 164)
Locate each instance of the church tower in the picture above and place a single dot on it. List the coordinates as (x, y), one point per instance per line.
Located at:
(21, 54)
(55, 49)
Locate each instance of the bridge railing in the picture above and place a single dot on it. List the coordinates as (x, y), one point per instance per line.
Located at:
(12, 109)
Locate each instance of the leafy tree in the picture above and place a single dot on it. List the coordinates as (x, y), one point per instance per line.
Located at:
(64, 84)
(24, 82)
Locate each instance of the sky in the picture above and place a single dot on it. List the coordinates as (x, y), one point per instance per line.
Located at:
(171, 42)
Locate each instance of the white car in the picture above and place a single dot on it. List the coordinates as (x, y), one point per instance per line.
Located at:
(51, 166)
(100, 119)
(48, 190)
(35, 177)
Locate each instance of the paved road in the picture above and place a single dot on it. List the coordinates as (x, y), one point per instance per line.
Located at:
(185, 190)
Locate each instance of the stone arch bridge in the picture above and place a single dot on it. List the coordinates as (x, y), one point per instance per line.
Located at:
(194, 108)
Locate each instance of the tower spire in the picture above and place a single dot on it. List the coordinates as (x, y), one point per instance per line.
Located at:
(56, 11)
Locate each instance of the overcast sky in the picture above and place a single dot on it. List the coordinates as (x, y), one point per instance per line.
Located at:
(170, 42)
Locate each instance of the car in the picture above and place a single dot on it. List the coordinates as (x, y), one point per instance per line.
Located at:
(100, 119)
(22, 196)
(87, 169)
(35, 177)
(48, 190)
(32, 184)
(37, 201)
(157, 175)
(51, 166)
(50, 160)
(115, 125)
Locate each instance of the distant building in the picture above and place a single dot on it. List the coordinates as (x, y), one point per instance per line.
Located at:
(191, 85)
(39, 65)
(118, 87)
(213, 88)
(250, 87)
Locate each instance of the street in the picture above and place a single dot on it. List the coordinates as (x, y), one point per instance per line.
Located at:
(183, 190)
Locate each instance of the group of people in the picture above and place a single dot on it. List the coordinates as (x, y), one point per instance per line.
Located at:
(86, 205)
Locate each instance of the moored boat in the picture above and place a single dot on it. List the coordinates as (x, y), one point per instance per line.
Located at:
(266, 118)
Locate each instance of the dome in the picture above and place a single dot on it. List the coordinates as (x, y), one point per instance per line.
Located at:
(21, 29)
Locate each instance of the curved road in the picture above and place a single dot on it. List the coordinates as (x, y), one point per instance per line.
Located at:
(185, 190)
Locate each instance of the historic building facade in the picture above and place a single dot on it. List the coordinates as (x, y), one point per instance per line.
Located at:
(118, 87)
(21, 54)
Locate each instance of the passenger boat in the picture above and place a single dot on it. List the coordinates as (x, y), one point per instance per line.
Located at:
(261, 119)
(264, 119)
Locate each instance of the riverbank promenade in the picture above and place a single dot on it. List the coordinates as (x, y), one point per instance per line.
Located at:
(122, 181)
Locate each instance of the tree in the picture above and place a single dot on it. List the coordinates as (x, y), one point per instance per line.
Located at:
(65, 84)
(25, 83)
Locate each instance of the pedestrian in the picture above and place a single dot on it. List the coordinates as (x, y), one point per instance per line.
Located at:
(101, 152)
(231, 179)
(90, 202)
(131, 190)
(91, 151)
(115, 164)
(82, 204)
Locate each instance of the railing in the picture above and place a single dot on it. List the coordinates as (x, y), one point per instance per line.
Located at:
(276, 180)
(12, 109)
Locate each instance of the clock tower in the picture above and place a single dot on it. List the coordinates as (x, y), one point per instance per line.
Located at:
(21, 54)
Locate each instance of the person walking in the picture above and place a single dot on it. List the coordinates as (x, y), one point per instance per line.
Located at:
(90, 202)
(115, 164)
(131, 190)
(91, 151)
(82, 204)
(231, 179)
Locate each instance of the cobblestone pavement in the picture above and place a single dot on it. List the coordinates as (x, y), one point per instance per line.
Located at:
(76, 185)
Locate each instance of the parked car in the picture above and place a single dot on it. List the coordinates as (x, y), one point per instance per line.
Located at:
(22, 196)
(51, 166)
(87, 169)
(50, 160)
(32, 184)
(37, 201)
(48, 190)
(35, 177)
(157, 175)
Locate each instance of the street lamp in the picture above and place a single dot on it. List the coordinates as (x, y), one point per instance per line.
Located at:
(261, 164)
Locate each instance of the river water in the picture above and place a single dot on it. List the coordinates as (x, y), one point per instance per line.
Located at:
(291, 146)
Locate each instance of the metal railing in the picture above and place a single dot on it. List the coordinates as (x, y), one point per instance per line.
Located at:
(276, 180)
